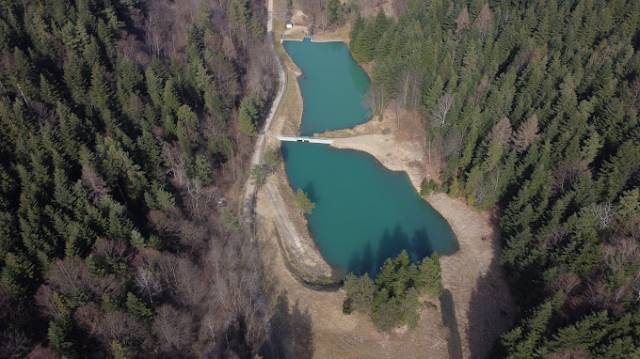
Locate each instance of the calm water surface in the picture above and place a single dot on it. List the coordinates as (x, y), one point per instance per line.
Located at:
(333, 86)
(364, 213)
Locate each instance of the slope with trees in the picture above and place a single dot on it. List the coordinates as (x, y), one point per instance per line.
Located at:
(532, 107)
(122, 125)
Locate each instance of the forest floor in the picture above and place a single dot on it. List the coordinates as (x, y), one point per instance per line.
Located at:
(476, 305)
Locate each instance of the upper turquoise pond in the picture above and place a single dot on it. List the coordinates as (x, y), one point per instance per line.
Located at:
(333, 86)
(364, 213)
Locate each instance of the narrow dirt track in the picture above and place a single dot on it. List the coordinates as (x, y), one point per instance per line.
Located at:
(258, 152)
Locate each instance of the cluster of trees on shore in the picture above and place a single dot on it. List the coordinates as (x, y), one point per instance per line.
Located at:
(532, 107)
(122, 124)
(322, 15)
(393, 298)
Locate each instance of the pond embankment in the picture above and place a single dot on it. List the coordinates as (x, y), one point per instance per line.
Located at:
(275, 200)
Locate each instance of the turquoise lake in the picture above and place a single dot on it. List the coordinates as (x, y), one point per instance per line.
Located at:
(364, 213)
(333, 86)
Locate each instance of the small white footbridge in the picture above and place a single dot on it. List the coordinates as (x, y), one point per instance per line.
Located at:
(324, 141)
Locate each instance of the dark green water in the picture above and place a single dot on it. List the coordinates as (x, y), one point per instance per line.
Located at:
(333, 86)
(364, 213)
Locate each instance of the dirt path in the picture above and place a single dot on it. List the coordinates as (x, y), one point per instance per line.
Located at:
(258, 151)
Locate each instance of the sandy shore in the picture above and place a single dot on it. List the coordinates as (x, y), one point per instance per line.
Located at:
(393, 144)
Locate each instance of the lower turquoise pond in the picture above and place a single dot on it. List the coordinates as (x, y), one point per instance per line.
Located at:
(364, 213)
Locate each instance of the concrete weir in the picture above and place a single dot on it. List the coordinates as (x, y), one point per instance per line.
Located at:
(324, 141)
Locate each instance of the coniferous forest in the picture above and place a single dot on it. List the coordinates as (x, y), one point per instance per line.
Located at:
(126, 127)
(531, 107)
(122, 124)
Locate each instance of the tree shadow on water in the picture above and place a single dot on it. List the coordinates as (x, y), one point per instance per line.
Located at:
(284, 150)
(291, 335)
(420, 244)
(362, 263)
(391, 244)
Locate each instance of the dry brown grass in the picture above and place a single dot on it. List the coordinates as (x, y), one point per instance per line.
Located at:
(397, 141)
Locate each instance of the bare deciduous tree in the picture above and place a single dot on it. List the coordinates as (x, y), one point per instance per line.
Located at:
(89, 317)
(190, 291)
(314, 9)
(148, 283)
(69, 276)
(567, 282)
(410, 89)
(174, 329)
(439, 113)
(483, 21)
(567, 173)
(122, 327)
(481, 190)
(261, 71)
(376, 100)
(502, 131)
(198, 197)
(571, 353)
(96, 185)
(113, 250)
(173, 158)
(40, 352)
(481, 90)
(463, 20)
(44, 300)
(400, 7)
(526, 134)
(604, 213)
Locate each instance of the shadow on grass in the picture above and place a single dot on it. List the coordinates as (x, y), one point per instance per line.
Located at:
(448, 310)
(291, 333)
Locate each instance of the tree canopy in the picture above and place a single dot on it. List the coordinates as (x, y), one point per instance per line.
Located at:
(122, 124)
(531, 107)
